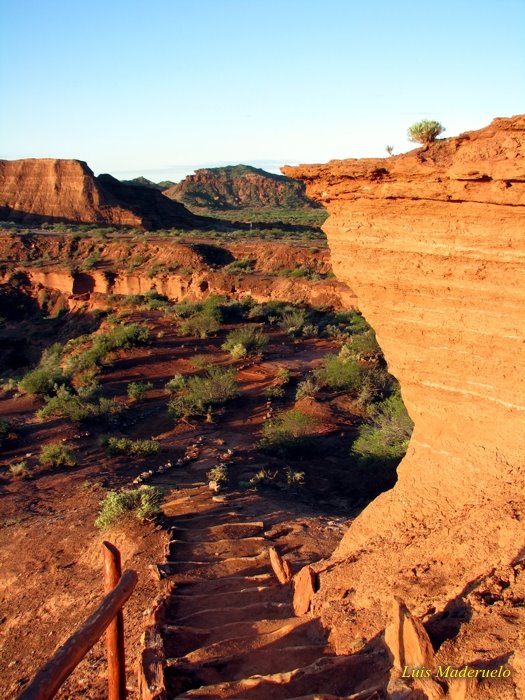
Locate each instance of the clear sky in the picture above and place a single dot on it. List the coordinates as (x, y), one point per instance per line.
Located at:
(160, 87)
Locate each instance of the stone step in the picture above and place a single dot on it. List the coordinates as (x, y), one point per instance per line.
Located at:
(219, 569)
(242, 665)
(217, 549)
(294, 632)
(213, 617)
(180, 640)
(225, 531)
(206, 518)
(332, 675)
(224, 585)
(187, 604)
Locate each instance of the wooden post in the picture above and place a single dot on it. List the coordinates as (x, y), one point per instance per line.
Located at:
(50, 677)
(115, 631)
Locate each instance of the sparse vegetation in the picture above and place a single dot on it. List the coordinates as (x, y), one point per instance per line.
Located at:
(288, 432)
(218, 474)
(45, 379)
(137, 390)
(19, 470)
(385, 437)
(142, 503)
(57, 454)
(136, 448)
(244, 341)
(203, 319)
(425, 131)
(78, 406)
(199, 394)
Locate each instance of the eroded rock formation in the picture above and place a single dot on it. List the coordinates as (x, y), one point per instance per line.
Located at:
(433, 244)
(238, 187)
(48, 189)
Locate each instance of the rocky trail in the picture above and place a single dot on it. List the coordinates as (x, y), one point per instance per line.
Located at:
(229, 629)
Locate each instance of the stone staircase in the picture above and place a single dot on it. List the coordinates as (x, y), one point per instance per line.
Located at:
(228, 628)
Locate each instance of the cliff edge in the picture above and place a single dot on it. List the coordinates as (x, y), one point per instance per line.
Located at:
(433, 244)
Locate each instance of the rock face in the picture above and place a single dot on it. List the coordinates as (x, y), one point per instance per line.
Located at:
(46, 189)
(238, 187)
(433, 244)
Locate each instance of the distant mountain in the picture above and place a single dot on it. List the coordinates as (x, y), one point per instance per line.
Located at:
(144, 182)
(236, 187)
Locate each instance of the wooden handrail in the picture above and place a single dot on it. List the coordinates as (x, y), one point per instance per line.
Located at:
(50, 677)
(115, 631)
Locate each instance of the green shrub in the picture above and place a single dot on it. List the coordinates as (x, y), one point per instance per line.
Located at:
(244, 265)
(307, 389)
(84, 405)
(264, 477)
(201, 324)
(294, 479)
(292, 322)
(45, 379)
(218, 474)
(57, 454)
(137, 448)
(175, 384)
(200, 362)
(19, 470)
(274, 392)
(425, 131)
(199, 394)
(137, 390)
(119, 337)
(142, 503)
(386, 436)
(288, 432)
(338, 373)
(244, 341)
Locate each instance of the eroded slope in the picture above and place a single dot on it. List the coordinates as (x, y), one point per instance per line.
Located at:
(433, 244)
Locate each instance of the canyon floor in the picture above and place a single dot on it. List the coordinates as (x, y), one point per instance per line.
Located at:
(50, 549)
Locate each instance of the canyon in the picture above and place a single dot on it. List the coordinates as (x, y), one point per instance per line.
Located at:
(432, 243)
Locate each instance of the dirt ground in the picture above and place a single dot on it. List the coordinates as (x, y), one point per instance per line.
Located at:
(50, 551)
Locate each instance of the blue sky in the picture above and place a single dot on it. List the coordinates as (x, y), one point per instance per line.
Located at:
(160, 88)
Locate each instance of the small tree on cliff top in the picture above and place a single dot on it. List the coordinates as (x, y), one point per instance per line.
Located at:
(425, 131)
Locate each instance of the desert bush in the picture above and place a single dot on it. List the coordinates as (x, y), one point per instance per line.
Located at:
(274, 392)
(425, 131)
(288, 432)
(244, 265)
(57, 454)
(263, 477)
(85, 404)
(19, 470)
(142, 503)
(200, 362)
(307, 389)
(199, 394)
(203, 323)
(119, 337)
(270, 311)
(218, 474)
(292, 322)
(244, 341)
(45, 379)
(137, 448)
(174, 384)
(340, 374)
(5, 430)
(386, 436)
(294, 478)
(137, 390)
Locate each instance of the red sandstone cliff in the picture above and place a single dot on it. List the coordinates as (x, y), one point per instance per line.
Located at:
(433, 244)
(47, 189)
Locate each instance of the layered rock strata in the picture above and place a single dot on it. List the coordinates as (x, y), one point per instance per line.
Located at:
(433, 244)
(48, 189)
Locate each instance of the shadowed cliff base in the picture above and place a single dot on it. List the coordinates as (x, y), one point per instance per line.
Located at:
(432, 243)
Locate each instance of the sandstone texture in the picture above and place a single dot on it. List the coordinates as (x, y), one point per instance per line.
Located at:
(433, 244)
(48, 189)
